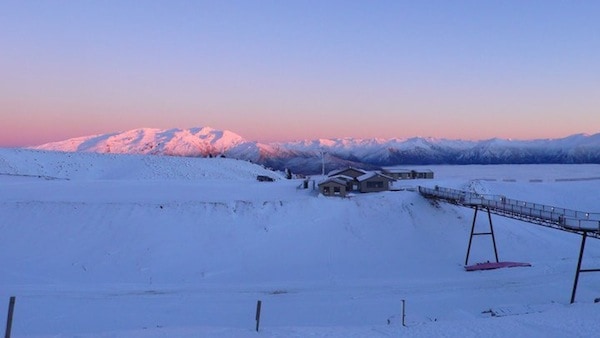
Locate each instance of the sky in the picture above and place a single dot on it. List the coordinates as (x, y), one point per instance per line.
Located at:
(291, 70)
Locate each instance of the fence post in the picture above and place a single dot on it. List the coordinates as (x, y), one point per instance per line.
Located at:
(403, 312)
(258, 306)
(11, 308)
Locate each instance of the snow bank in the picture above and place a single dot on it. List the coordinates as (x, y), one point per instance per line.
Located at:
(58, 165)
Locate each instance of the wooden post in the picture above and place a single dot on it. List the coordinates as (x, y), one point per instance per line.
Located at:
(403, 312)
(11, 308)
(258, 306)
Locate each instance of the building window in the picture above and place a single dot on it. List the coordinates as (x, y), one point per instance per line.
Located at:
(336, 190)
(374, 184)
(325, 190)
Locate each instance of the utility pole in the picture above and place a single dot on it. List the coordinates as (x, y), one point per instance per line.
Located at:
(322, 162)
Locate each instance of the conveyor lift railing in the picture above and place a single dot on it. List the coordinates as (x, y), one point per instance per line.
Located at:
(586, 224)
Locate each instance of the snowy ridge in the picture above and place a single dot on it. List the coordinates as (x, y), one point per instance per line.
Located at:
(305, 156)
(50, 164)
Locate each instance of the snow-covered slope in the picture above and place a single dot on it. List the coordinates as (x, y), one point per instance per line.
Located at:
(305, 156)
(63, 165)
(145, 246)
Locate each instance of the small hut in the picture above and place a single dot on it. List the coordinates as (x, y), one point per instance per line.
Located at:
(333, 187)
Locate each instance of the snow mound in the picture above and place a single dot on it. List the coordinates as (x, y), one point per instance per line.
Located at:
(59, 165)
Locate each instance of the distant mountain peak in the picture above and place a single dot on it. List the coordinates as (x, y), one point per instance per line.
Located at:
(198, 141)
(305, 156)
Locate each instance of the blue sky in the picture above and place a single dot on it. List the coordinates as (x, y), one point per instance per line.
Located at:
(285, 70)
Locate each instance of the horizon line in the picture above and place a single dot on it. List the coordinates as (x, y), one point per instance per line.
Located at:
(267, 141)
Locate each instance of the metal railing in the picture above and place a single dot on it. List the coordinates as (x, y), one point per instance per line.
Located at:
(566, 219)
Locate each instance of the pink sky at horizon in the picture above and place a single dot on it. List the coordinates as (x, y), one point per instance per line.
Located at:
(288, 71)
(45, 135)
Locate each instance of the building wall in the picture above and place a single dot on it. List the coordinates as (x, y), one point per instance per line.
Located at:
(407, 175)
(399, 176)
(423, 174)
(394, 175)
(374, 184)
(332, 189)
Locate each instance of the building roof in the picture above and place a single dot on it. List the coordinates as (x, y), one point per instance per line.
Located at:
(396, 170)
(344, 177)
(339, 171)
(333, 180)
(404, 170)
(372, 174)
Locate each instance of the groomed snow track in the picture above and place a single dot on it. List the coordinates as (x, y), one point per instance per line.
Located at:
(545, 215)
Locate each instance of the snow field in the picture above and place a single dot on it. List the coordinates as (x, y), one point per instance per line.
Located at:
(133, 247)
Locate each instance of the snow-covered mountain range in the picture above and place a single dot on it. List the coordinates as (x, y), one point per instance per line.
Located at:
(305, 156)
